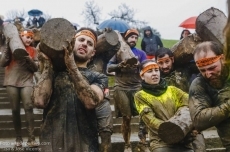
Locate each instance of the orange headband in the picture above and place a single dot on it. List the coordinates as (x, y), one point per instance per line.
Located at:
(87, 33)
(207, 61)
(163, 59)
(148, 67)
(27, 33)
(131, 31)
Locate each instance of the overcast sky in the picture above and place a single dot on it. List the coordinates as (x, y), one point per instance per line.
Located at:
(163, 15)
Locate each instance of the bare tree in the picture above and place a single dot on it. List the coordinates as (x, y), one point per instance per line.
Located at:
(12, 14)
(127, 14)
(91, 13)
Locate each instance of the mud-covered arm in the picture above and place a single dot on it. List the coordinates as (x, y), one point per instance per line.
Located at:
(89, 95)
(112, 66)
(203, 114)
(42, 91)
(6, 54)
(147, 114)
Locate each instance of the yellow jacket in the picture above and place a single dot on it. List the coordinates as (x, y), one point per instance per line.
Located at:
(154, 110)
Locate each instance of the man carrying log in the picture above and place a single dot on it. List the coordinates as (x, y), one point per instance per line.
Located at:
(19, 82)
(180, 78)
(127, 83)
(156, 103)
(70, 98)
(209, 99)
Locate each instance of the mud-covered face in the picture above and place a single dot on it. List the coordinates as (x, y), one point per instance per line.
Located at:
(132, 40)
(151, 76)
(27, 40)
(83, 48)
(165, 64)
(212, 72)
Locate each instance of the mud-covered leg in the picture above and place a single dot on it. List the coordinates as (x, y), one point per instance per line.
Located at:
(28, 107)
(14, 97)
(126, 132)
(105, 141)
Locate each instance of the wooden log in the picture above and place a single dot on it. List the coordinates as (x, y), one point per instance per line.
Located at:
(176, 128)
(210, 25)
(107, 40)
(106, 48)
(54, 35)
(37, 34)
(183, 50)
(16, 45)
(107, 45)
(125, 53)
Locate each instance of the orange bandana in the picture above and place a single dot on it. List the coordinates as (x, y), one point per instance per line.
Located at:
(27, 33)
(134, 31)
(148, 67)
(207, 61)
(87, 33)
(163, 59)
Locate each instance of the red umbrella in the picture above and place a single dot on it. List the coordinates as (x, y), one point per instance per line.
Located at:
(189, 23)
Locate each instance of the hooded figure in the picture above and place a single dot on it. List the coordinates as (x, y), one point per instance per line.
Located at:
(150, 43)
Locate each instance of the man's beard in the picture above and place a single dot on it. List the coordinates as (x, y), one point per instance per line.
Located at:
(132, 44)
(218, 81)
(80, 58)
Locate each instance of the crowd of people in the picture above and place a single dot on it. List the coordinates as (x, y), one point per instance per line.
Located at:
(76, 102)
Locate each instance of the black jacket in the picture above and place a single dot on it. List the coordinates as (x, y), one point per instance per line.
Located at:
(150, 44)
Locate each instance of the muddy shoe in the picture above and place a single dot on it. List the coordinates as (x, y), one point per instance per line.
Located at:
(131, 61)
(127, 148)
(18, 142)
(32, 143)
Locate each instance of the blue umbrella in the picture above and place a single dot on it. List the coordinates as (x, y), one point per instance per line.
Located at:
(35, 12)
(114, 24)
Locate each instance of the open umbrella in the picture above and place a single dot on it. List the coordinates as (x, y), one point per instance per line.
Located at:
(35, 12)
(189, 23)
(114, 24)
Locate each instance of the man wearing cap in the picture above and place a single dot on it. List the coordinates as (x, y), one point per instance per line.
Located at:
(209, 98)
(127, 83)
(19, 83)
(69, 98)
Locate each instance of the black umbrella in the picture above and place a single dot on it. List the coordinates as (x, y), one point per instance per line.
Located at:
(115, 24)
(35, 12)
